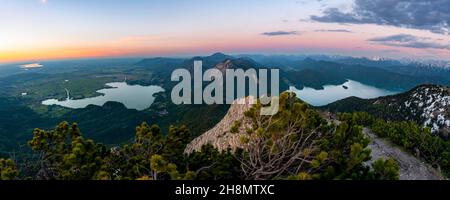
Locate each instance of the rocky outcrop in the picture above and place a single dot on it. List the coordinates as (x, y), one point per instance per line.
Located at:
(220, 135)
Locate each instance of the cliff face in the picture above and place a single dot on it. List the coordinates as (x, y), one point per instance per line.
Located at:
(220, 135)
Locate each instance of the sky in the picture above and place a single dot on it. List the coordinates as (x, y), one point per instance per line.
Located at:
(32, 30)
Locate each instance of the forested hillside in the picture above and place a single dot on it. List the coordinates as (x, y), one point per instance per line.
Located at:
(428, 105)
(297, 143)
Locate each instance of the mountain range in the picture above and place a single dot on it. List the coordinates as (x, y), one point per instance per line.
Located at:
(89, 76)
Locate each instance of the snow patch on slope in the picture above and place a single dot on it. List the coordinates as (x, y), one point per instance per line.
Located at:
(431, 105)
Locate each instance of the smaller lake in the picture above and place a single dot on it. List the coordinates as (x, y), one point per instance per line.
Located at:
(332, 93)
(132, 96)
(31, 66)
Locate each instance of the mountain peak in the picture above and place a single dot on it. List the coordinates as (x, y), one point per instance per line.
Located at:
(216, 57)
(219, 54)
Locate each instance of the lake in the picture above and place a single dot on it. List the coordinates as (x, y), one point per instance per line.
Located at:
(31, 66)
(132, 96)
(332, 93)
(141, 97)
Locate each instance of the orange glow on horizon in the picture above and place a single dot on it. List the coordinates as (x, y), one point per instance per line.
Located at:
(141, 46)
(48, 54)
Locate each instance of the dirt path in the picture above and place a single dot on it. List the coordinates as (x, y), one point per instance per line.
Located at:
(411, 168)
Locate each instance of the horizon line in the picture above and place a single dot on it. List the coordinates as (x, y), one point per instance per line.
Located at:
(187, 56)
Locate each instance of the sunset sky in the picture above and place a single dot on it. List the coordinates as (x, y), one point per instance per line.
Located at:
(58, 29)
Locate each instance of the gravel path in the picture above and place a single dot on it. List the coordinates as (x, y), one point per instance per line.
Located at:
(411, 168)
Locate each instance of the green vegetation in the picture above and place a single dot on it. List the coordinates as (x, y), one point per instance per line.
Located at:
(409, 135)
(387, 169)
(297, 143)
(8, 169)
(214, 165)
(66, 155)
(114, 124)
(325, 151)
(235, 126)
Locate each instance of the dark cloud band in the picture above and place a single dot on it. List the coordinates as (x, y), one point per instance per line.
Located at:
(279, 33)
(406, 40)
(432, 15)
(334, 30)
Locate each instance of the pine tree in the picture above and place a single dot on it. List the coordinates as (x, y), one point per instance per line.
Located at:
(8, 170)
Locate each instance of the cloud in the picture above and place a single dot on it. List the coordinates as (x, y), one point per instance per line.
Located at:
(432, 15)
(411, 41)
(280, 33)
(391, 51)
(44, 1)
(334, 30)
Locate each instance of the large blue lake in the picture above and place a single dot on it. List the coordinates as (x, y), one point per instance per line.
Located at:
(332, 93)
(132, 96)
(141, 97)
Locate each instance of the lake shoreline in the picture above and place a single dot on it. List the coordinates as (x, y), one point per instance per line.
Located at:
(333, 93)
(132, 96)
